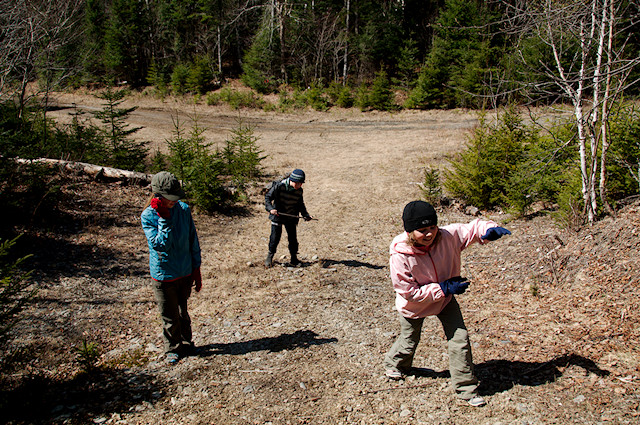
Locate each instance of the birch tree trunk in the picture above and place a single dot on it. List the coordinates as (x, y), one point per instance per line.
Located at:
(605, 110)
(346, 45)
(588, 59)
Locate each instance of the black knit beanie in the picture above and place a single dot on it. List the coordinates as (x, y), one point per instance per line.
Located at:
(417, 215)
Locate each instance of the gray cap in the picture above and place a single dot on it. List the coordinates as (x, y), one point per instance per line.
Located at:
(166, 184)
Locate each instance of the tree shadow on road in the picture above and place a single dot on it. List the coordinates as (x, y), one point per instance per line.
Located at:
(44, 400)
(501, 375)
(57, 257)
(298, 339)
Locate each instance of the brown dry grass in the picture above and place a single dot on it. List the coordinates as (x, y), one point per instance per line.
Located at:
(305, 345)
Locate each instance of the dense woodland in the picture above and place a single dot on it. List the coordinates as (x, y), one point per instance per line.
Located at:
(447, 53)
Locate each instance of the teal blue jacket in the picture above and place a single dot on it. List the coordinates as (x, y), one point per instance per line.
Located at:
(174, 249)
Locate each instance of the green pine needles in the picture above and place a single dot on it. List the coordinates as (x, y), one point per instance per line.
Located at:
(214, 178)
(508, 164)
(119, 149)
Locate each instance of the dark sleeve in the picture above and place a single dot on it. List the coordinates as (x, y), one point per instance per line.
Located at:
(270, 197)
(302, 207)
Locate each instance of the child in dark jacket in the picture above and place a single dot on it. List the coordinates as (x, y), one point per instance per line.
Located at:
(285, 204)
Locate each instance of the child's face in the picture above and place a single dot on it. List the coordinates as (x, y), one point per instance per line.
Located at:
(167, 203)
(426, 235)
(296, 185)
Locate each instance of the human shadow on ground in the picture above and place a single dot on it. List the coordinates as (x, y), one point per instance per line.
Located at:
(325, 263)
(501, 375)
(45, 400)
(298, 339)
(421, 372)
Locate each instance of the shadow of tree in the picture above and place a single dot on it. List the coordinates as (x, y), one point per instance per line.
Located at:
(57, 257)
(349, 263)
(41, 400)
(298, 339)
(501, 375)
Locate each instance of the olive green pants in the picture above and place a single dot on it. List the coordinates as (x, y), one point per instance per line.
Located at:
(176, 324)
(400, 356)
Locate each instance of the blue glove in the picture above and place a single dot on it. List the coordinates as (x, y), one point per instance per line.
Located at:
(495, 233)
(455, 285)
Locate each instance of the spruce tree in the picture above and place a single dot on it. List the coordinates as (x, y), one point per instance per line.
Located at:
(120, 150)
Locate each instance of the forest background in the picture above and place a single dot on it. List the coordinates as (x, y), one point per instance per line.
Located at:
(372, 55)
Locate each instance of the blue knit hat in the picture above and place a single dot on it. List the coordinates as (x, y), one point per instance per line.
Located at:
(297, 176)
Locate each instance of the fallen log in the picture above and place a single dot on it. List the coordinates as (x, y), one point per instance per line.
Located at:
(98, 172)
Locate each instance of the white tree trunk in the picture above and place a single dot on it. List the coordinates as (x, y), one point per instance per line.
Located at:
(346, 46)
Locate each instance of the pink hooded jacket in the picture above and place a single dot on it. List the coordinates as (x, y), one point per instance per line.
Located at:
(415, 273)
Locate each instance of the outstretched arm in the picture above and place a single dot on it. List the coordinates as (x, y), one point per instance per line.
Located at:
(495, 233)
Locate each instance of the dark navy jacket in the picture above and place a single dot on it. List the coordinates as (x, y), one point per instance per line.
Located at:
(284, 198)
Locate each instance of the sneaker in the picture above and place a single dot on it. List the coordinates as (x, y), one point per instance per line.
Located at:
(394, 374)
(476, 401)
(173, 358)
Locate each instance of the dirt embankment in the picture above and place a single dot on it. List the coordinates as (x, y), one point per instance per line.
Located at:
(553, 315)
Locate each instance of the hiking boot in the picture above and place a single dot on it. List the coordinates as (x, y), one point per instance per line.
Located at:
(172, 358)
(476, 401)
(268, 262)
(394, 374)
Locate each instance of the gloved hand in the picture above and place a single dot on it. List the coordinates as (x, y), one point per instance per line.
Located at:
(161, 209)
(495, 233)
(455, 285)
(307, 218)
(196, 277)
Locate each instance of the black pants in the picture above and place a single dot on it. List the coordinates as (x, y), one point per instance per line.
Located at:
(276, 234)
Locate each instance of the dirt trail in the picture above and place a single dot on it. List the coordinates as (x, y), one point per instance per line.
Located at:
(305, 345)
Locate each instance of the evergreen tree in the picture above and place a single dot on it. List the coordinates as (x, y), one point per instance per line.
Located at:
(378, 38)
(454, 70)
(408, 63)
(120, 150)
(127, 50)
(381, 96)
(95, 29)
(261, 63)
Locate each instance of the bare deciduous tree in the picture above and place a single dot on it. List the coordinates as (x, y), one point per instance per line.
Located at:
(31, 35)
(587, 66)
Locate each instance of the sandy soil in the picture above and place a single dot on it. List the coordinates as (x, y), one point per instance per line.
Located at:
(552, 314)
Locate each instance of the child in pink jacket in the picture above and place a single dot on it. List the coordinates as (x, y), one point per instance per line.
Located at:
(425, 272)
